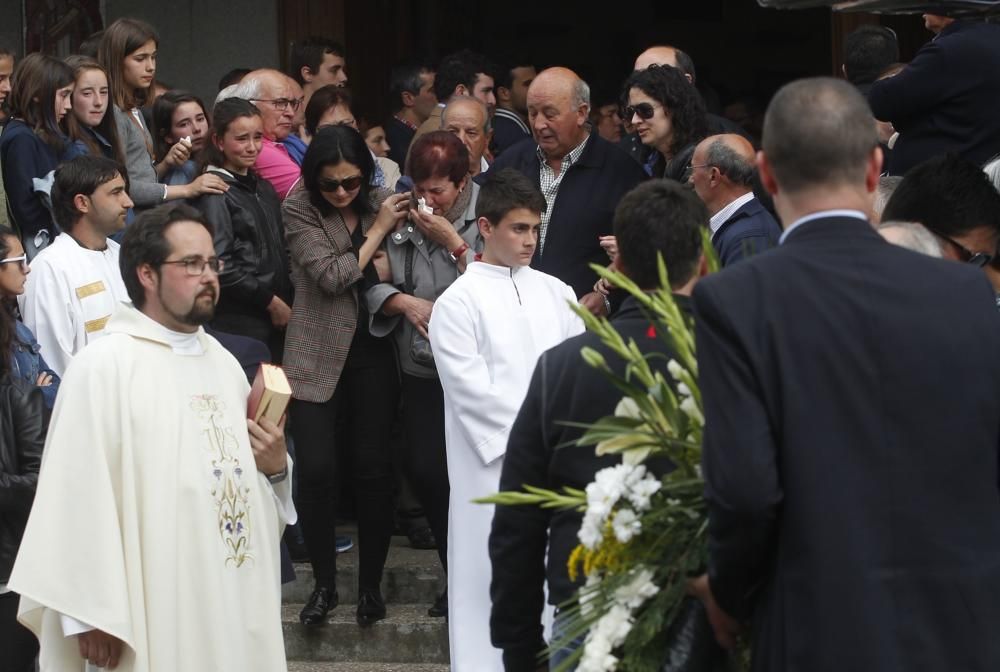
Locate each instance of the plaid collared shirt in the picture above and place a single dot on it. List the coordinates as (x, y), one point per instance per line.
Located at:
(549, 182)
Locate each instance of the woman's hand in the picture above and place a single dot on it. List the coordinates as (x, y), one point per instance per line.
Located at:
(392, 211)
(417, 311)
(178, 154)
(610, 245)
(382, 266)
(206, 183)
(438, 229)
(44, 379)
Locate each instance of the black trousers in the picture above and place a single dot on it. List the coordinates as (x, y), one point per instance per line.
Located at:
(366, 396)
(427, 461)
(18, 646)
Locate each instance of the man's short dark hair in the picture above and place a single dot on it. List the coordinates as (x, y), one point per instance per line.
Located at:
(947, 194)
(405, 78)
(462, 67)
(309, 53)
(234, 76)
(868, 51)
(660, 217)
(504, 75)
(145, 242)
(507, 190)
(82, 175)
(818, 131)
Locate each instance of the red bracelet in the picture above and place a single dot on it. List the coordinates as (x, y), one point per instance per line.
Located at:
(459, 251)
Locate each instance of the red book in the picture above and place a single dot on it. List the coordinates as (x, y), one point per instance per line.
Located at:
(269, 395)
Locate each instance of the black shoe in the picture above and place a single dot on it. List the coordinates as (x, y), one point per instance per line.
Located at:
(319, 605)
(422, 538)
(371, 608)
(440, 606)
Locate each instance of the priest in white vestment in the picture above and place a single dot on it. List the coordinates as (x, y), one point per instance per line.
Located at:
(487, 332)
(74, 284)
(153, 539)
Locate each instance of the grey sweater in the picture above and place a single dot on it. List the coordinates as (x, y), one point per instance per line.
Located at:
(144, 189)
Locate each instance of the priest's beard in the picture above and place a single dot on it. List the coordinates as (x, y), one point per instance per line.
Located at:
(201, 311)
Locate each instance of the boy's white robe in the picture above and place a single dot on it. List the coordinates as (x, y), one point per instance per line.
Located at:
(151, 521)
(487, 332)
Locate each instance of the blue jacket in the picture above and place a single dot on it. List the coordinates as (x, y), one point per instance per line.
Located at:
(584, 207)
(749, 231)
(946, 99)
(27, 362)
(25, 156)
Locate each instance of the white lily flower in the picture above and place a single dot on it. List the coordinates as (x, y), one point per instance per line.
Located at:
(690, 408)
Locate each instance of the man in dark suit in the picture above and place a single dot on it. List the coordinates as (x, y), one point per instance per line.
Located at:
(850, 468)
(581, 175)
(722, 174)
(655, 218)
(946, 99)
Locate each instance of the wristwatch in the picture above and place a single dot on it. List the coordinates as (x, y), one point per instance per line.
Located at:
(274, 479)
(459, 252)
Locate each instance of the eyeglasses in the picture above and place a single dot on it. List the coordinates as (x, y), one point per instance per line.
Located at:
(978, 259)
(280, 104)
(330, 186)
(21, 261)
(690, 170)
(644, 110)
(195, 266)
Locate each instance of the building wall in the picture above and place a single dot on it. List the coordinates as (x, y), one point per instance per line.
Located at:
(11, 31)
(201, 41)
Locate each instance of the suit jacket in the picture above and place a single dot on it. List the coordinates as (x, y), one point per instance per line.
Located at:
(850, 453)
(326, 276)
(946, 99)
(530, 545)
(584, 207)
(399, 136)
(749, 231)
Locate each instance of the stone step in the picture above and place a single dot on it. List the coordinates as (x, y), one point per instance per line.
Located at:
(298, 666)
(410, 577)
(407, 635)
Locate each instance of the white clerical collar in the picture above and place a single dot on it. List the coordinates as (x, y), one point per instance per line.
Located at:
(495, 271)
(722, 216)
(822, 214)
(182, 343)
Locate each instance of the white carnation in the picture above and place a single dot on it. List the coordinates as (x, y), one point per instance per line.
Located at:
(626, 525)
(642, 491)
(637, 591)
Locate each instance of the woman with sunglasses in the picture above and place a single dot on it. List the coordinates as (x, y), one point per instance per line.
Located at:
(669, 116)
(256, 289)
(335, 222)
(26, 361)
(33, 143)
(128, 51)
(426, 257)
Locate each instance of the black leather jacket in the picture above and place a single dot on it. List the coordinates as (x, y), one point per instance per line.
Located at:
(22, 435)
(250, 239)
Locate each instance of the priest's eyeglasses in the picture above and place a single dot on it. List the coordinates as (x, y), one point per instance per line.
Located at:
(197, 265)
(21, 261)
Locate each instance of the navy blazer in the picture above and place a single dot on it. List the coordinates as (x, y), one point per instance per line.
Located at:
(584, 208)
(749, 231)
(850, 453)
(946, 99)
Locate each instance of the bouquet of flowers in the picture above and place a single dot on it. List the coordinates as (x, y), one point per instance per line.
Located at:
(643, 534)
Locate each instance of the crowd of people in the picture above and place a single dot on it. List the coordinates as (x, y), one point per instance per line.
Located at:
(414, 276)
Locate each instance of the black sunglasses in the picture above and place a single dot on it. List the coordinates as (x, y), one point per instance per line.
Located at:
(978, 259)
(330, 186)
(644, 110)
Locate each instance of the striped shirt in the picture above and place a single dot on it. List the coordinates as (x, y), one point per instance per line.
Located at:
(549, 182)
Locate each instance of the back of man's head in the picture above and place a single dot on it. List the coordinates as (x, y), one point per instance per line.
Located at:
(947, 194)
(734, 161)
(462, 67)
(886, 187)
(667, 55)
(818, 132)
(868, 51)
(309, 53)
(404, 79)
(81, 176)
(660, 217)
(507, 190)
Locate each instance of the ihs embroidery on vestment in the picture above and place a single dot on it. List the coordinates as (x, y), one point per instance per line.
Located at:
(231, 496)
